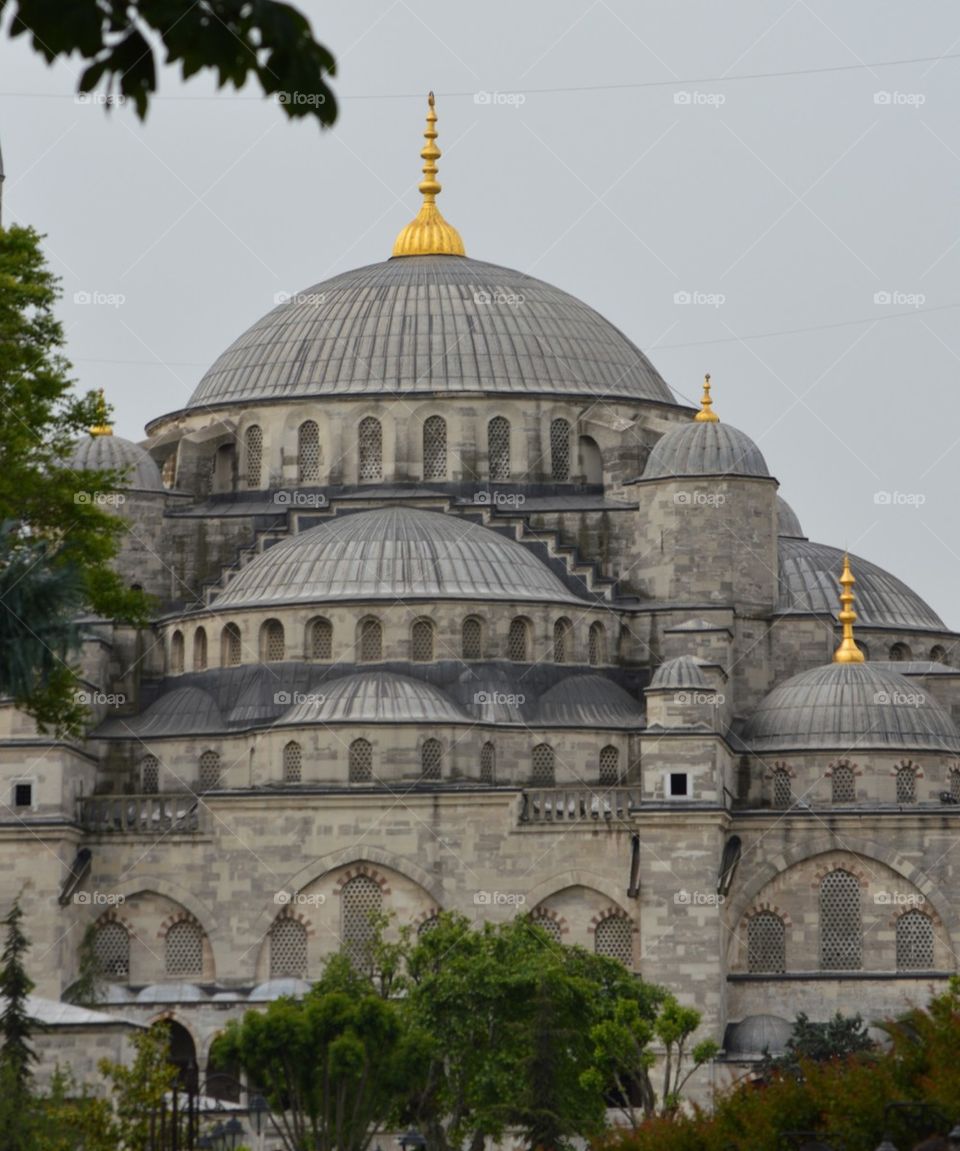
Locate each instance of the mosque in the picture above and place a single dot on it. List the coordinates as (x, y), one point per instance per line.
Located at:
(457, 608)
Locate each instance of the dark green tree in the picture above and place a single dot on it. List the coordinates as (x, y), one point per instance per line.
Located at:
(837, 1038)
(119, 40)
(16, 1053)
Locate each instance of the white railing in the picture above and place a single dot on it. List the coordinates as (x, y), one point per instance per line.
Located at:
(578, 804)
(156, 814)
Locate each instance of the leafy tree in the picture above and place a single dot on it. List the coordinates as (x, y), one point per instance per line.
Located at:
(56, 542)
(236, 39)
(809, 1042)
(138, 1093)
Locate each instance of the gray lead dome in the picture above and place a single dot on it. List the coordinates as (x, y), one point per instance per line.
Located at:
(705, 449)
(114, 453)
(426, 324)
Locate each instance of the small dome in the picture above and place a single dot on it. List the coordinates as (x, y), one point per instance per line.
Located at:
(494, 694)
(171, 993)
(112, 993)
(683, 671)
(808, 583)
(589, 701)
(757, 1034)
(374, 697)
(394, 553)
(705, 449)
(183, 710)
(850, 707)
(277, 989)
(114, 453)
(788, 522)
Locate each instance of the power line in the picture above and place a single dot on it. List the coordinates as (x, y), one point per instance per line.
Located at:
(558, 89)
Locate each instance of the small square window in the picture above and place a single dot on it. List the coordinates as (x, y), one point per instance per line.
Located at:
(23, 795)
(679, 783)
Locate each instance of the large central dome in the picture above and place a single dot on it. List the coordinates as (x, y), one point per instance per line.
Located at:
(427, 324)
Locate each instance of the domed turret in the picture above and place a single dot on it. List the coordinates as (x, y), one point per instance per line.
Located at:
(103, 451)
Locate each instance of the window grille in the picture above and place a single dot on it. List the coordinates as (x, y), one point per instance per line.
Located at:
(517, 641)
(308, 452)
(422, 641)
(435, 448)
(371, 641)
(560, 450)
(184, 949)
(176, 653)
(231, 649)
(321, 639)
(955, 786)
(841, 932)
(431, 759)
(292, 762)
(150, 775)
(111, 948)
(370, 447)
(766, 943)
(488, 763)
(543, 765)
(254, 453)
(562, 637)
(614, 939)
(609, 766)
(209, 771)
(361, 901)
(273, 641)
(547, 924)
(471, 641)
(914, 942)
(288, 949)
(428, 925)
(498, 448)
(906, 785)
(782, 788)
(598, 645)
(361, 762)
(200, 649)
(844, 784)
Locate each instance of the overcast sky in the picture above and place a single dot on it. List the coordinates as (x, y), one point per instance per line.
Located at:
(620, 158)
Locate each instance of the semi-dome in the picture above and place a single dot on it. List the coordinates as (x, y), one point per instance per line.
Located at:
(183, 710)
(589, 701)
(788, 522)
(102, 452)
(850, 707)
(705, 448)
(394, 553)
(683, 671)
(374, 697)
(808, 583)
(756, 1035)
(426, 325)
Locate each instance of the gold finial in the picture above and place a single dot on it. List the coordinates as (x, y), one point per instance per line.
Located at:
(429, 234)
(847, 652)
(101, 427)
(706, 415)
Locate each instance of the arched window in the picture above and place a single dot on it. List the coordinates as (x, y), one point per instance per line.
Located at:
(183, 947)
(844, 784)
(498, 448)
(308, 452)
(900, 652)
(543, 773)
(435, 448)
(609, 766)
(176, 653)
(938, 653)
(149, 775)
(782, 788)
(200, 649)
(560, 450)
(168, 473)
(370, 641)
(111, 949)
(253, 452)
(591, 461)
(517, 640)
(488, 763)
(914, 942)
(471, 639)
(209, 771)
(766, 944)
(562, 641)
(361, 902)
(370, 449)
(955, 785)
(421, 641)
(288, 949)
(272, 644)
(230, 646)
(841, 928)
(431, 759)
(320, 642)
(292, 762)
(614, 939)
(906, 784)
(547, 924)
(598, 644)
(360, 756)
(431, 923)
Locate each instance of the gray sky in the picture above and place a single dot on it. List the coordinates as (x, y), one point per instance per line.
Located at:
(776, 203)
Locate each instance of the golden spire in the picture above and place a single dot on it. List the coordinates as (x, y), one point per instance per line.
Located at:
(101, 427)
(429, 234)
(706, 415)
(847, 652)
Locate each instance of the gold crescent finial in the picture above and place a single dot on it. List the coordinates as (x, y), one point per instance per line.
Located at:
(429, 234)
(706, 415)
(101, 427)
(847, 652)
